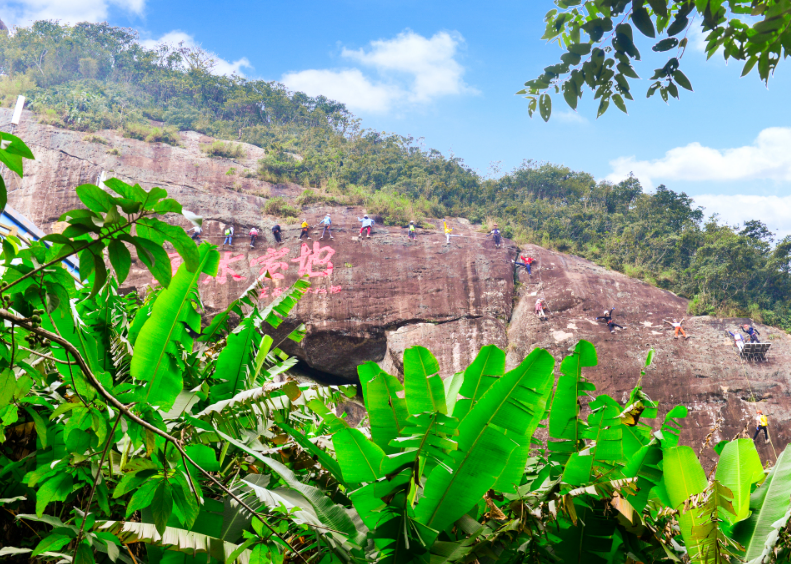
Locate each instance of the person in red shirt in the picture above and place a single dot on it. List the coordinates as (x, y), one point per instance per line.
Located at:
(526, 263)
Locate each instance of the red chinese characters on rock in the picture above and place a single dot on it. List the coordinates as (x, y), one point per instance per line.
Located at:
(225, 270)
(175, 262)
(320, 256)
(271, 262)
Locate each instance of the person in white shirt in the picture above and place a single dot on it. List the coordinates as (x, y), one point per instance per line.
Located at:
(367, 224)
(678, 328)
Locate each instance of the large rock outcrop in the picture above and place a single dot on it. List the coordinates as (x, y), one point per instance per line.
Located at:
(372, 298)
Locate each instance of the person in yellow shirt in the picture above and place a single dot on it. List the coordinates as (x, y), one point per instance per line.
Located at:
(448, 231)
(762, 424)
(305, 228)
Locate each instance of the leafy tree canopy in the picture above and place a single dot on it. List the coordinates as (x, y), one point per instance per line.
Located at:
(600, 41)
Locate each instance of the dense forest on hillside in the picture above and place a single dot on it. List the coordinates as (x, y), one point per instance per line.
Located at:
(94, 76)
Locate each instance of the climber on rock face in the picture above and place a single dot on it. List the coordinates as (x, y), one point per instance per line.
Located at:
(276, 233)
(611, 325)
(326, 222)
(412, 234)
(526, 263)
(752, 332)
(738, 339)
(305, 229)
(196, 235)
(448, 231)
(253, 237)
(498, 239)
(367, 224)
(762, 423)
(678, 328)
(540, 305)
(228, 236)
(607, 316)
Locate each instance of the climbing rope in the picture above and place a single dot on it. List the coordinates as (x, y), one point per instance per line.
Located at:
(752, 395)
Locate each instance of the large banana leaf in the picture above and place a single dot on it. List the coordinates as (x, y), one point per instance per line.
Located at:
(424, 388)
(644, 465)
(606, 452)
(513, 406)
(173, 539)
(330, 514)
(360, 458)
(235, 360)
(683, 475)
(564, 420)
(386, 411)
(770, 505)
(738, 469)
(588, 540)
(702, 528)
(683, 478)
(155, 355)
(479, 376)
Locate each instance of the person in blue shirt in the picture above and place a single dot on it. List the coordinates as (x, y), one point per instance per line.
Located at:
(752, 332)
(326, 222)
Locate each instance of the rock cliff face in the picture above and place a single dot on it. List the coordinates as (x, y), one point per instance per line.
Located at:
(372, 298)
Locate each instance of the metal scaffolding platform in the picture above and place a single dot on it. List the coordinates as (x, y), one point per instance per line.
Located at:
(755, 351)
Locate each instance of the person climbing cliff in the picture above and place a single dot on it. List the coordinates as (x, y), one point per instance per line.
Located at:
(762, 424)
(326, 222)
(737, 339)
(228, 236)
(448, 231)
(611, 325)
(527, 263)
(412, 234)
(678, 328)
(253, 237)
(305, 229)
(498, 239)
(752, 332)
(607, 316)
(367, 224)
(276, 233)
(196, 234)
(540, 305)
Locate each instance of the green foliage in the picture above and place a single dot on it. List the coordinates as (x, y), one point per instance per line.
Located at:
(225, 150)
(279, 207)
(600, 45)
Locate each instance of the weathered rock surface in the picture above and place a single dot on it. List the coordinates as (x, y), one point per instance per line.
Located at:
(372, 298)
(702, 372)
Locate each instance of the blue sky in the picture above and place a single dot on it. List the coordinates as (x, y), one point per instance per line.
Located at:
(447, 72)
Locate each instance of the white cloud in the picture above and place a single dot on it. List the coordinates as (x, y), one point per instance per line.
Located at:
(349, 86)
(767, 158)
(221, 66)
(410, 69)
(569, 116)
(774, 211)
(67, 11)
